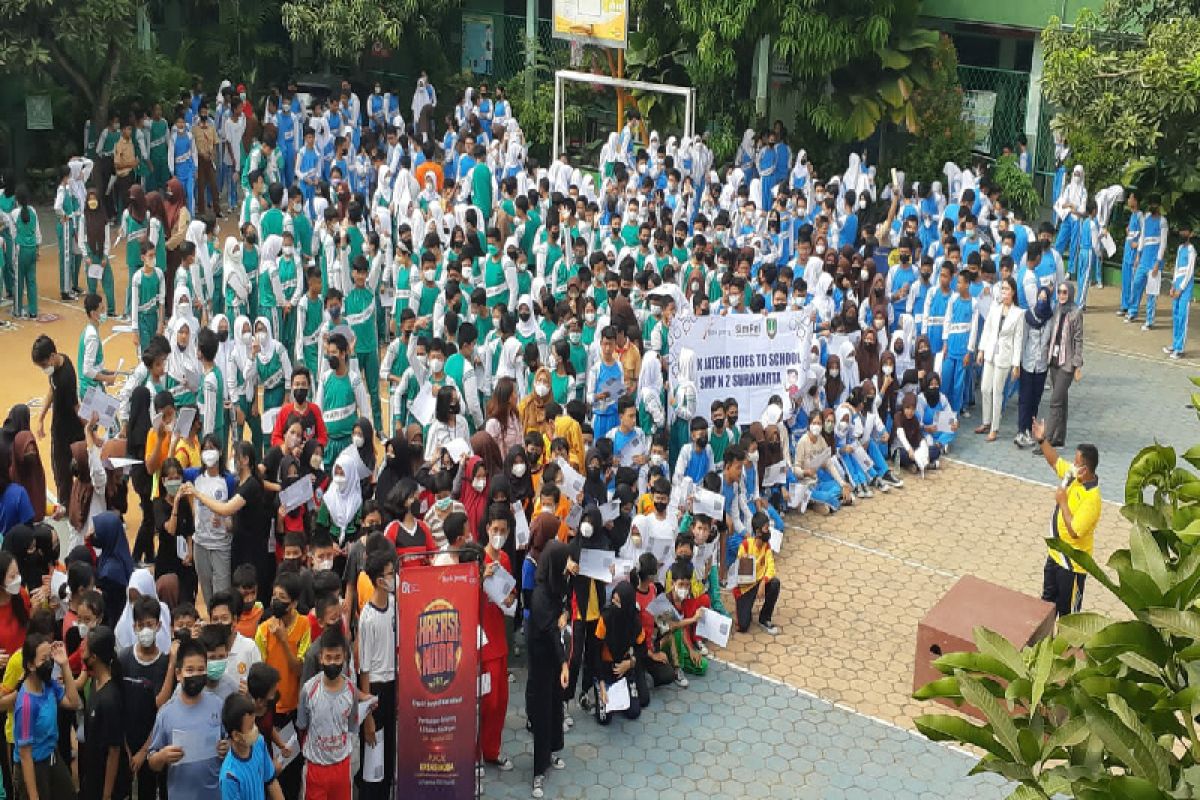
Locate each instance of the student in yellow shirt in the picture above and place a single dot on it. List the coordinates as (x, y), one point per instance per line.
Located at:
(1077, 507)
(758, 548)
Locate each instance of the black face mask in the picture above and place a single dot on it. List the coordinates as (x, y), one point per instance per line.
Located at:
(279, 608)
(456, 408)
(335, 362)
(701, 442)
(660, 507)
(332, 670)
(222, 336)
(932, 395)
(193, 685)
(300, 394)
(45, 671)
(524, 315)
(718, 423)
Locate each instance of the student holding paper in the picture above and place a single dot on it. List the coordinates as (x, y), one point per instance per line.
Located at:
(618, 652)
(62, 398)
(549, 651)
(377, 666)
(757, 549)
(187, 726)
(494, 656)
(652, 615)
(686, 651)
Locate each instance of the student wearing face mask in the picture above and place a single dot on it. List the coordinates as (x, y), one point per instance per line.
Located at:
(231, 516)
(377, 666)
(549, 649)
(494, 655)
(36, 768)
(247, 772)
(197, 713)
(340, 512)
(762, 580)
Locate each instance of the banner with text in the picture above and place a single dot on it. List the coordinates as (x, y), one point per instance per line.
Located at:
(745, 356)
(437, 681)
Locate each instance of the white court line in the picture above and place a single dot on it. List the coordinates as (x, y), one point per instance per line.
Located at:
(1187, 362)
(1022, 478)
(875, 551)
(840, 706)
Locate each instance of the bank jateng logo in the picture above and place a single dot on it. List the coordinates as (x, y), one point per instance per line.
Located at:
(772, 327)
(438, 645)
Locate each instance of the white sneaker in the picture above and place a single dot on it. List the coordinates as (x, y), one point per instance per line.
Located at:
(539, 783)
(680, 680)
(703, 649)
(1175, 356)
(1167, 351)
(1121, 313)
(1147, 327)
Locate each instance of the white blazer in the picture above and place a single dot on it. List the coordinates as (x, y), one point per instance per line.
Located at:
(1001, 342)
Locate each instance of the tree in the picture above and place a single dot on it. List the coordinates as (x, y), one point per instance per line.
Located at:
(1127, 81)
(1106, 708)
(935, 118)
(342, 30)
(83, 42)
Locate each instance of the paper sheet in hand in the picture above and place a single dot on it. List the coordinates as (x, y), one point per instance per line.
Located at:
(196, 745)
(522, 526)
(661, 605)
(714, 627)
(572, 483)
(1106, 241)
(485, 684)
(776, 540)
(702, 559)
(296, 495)
(291, 742)
(613, 387)
(96, 402)
(1154, 284)
(709, 504)
(596, 564)
(366, 706)
(618, 697)
(423, 406)
(610, 511)
(944, 420)
(268, 419)
(457, 448)
(499, 586)
(372, 760)
(95, 271)
(574, 516)
(121, 463)
(775, 474)
(184, 421)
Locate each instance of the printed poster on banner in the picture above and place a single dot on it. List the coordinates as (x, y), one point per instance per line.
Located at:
(437, 672)
(749, 357)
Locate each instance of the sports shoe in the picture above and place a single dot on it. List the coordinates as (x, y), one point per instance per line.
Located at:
(890, 478)
(867, 491)
(1147, 327)
(557, 762)
(539, 784)
(703, 649)
(585, 703)
(568, 722)
(1131, 318)
(1176, 355)
(881, 486)
(680, 680)
(503, 763)
(769, 627)
(1122, 312)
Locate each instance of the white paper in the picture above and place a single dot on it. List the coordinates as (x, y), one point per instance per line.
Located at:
(372, 760)
(291, 742)
(614, 387)
(572, 485)
(574, 516)
(662, 605)
(618, 697)
(597, 564)
(297, 494)
(944, 420)
(499, 586)
(485, 684)
(183, 422)
(196, 745)
(714, 627)
(121, 463)
(710, 504)
(610, 511)
(103, 406)
(702, 559)
(365, 707)
(1154, 283)
(124, 329)
(268, 420)
(1106, 241)
(776, 474)
(521, 533)
(181, 547)
(457, 448)
(423, 406)
(95, 271)
(776, 539)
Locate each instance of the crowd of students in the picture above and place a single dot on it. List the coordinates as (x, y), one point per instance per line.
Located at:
(460, 356)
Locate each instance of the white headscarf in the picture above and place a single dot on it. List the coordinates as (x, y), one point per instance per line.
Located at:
(143, 583)
(241, 350)
(685, 373)
(265, 353)
(342, 502)
(851, 176)
(527, 329)
(235, 272)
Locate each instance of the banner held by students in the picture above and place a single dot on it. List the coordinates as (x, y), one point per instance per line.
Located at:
(748, 357)
(437, 670)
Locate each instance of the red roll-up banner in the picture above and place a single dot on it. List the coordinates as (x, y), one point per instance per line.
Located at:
(437, 681)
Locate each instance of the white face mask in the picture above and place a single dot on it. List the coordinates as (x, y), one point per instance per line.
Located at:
(815, 429)
(1005, 250)
(752, 457)
(518, 470)
(541, 389)
(246, 338)
(864, 274)
(820, 249)
(339, 480)
(498, 541)
(588, 316)
(479, 484)
(428, 275)
(83, 629)
(681, 594)
(322, 564)
(315, 462)
(263, 339)
(887, 369)
(435, 365)
(833, 373)
(656, 459)
(210, 457)
(48, 369)
(146, 637)
(358, 440)
(13, 587)
(585, 530)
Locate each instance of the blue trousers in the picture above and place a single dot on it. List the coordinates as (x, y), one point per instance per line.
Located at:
(289, 164)
(858, 476)
(1067, 232)
(878, 458)
(1179, 320)
(1085, 263)
(189, 190)
(954, 380)
(826, 490)
(1139, 287)
(1128, 267)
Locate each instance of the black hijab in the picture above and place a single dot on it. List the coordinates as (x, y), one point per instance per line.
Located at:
(621, 623)
(367, 451)
(396, 467)
(595, 490)
(550, 591)
(17, 421)
(139, 422)
(520, 489)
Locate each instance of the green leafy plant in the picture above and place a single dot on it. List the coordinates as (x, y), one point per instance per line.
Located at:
(1107, 707)
(934, 119)
(1016, 187)
(537, 113)
(342, 30)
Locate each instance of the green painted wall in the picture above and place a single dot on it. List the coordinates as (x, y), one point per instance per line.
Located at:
(1032, 14)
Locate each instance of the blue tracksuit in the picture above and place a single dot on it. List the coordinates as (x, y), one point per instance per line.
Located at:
(1084, 257)
(936, 303)
(1129, 258)
(1151, 249)
(1181, 282)
(960, 341)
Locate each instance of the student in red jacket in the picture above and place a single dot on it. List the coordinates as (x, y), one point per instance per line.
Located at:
(300, 408)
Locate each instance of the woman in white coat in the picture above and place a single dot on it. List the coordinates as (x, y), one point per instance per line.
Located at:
(1000, 354)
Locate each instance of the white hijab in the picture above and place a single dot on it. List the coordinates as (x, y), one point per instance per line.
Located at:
(235, 272)
(528, 329)
(342, 502)
(143, 583)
